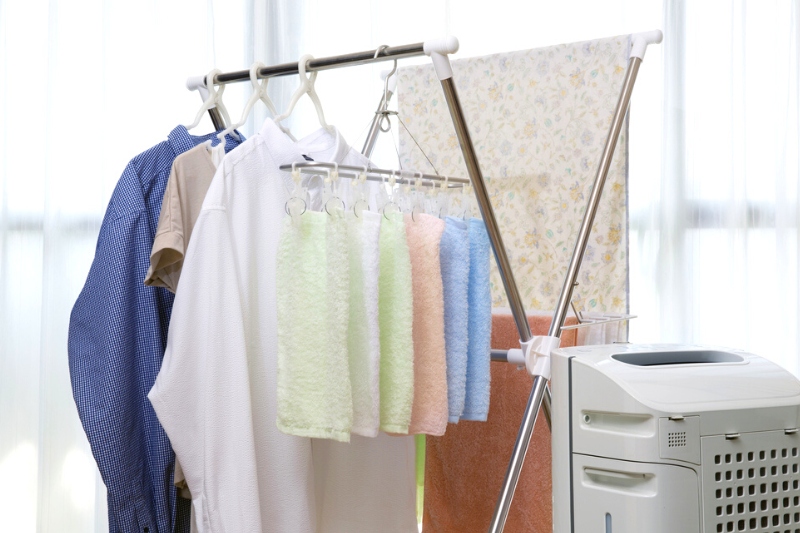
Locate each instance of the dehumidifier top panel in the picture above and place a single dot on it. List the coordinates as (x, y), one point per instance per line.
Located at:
(685, 378)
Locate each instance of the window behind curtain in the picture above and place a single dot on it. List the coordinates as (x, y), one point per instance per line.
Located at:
(715, 237)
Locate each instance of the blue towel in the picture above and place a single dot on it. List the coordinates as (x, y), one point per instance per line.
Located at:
(454, 261)
(476, 403)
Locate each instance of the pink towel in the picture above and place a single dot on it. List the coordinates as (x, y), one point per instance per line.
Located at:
(429, 411)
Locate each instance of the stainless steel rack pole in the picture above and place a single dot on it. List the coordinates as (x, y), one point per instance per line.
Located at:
(438, 50)
(384, 53)
(639, 44)
(539, 391)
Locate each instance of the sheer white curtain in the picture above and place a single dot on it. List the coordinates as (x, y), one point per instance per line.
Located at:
(714, 237)
(85, 87)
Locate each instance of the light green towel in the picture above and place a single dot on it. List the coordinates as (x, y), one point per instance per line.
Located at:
(314, 396)
(363, 235)
(395, 310)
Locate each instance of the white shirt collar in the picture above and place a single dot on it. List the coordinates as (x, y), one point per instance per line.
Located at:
(319, 146)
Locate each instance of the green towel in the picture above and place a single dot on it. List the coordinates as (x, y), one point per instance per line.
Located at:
(395, 305)
(313, 286)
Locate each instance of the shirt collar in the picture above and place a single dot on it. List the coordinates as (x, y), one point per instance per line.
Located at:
(180, 140)
(321, 145)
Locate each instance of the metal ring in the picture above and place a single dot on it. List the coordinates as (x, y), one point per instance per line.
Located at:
(355, 212)
(388, 204)
(385, 119)
(286, 205)
(333, 198)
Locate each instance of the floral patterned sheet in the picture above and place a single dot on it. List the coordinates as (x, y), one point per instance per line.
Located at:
(539, 120)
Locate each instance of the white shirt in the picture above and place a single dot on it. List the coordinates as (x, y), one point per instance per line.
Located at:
(216, 392)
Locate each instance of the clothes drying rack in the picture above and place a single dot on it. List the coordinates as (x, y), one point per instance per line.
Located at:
(533, 351)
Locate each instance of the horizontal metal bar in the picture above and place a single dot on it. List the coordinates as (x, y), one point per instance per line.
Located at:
(378, 174)
(326, 63)
(500, 355)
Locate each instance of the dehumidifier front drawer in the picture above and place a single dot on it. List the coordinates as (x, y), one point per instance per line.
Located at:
(613, 496)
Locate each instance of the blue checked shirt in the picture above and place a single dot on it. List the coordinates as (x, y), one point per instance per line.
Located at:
(117, 334)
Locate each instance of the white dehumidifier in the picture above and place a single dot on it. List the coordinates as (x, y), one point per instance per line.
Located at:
(673, 439)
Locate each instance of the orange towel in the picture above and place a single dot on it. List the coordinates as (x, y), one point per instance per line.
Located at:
(464, 469)
(429, 411)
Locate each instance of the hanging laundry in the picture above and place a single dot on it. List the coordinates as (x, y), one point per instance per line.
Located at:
(464, 468)
(191, 175)
(396, 315)
(188, 183)
(363, 336)
(117, 333)
(454, 259)
(542, 117)
(476, 401)
(366, 486)
(313, 291)
(243, 472)
(429, 412)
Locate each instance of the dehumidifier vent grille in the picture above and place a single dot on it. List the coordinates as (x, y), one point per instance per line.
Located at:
(752, 483)
(676, 439)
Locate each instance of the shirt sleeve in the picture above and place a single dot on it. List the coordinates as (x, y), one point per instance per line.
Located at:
(105, 361)
(168, 249)
(202, 393)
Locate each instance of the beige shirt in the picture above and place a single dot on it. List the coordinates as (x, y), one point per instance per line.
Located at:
(191, 175)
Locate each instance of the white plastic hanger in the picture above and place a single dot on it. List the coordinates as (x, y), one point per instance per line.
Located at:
(259, 93)
(214, 100)
(306, 87)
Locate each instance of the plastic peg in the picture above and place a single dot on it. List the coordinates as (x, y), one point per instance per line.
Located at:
(640, 41)
(438, 49)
